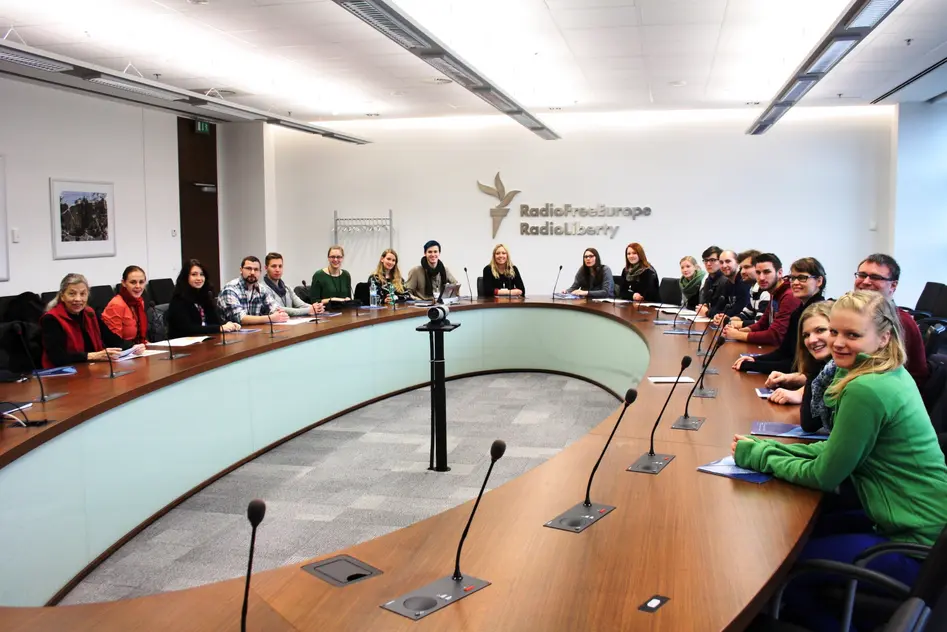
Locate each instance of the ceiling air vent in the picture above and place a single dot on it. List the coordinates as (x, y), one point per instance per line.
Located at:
(387, 23)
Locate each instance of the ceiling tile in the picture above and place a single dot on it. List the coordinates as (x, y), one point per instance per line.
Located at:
(588, 4)
(679, 12)
(618, 41)
(596, 18)
(695, 39)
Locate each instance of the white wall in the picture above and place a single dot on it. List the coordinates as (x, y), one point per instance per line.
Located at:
(813, 186)
(920, 233)
(47, 133)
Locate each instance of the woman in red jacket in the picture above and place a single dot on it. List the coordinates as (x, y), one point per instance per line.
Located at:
(70, 328)
(125, 320)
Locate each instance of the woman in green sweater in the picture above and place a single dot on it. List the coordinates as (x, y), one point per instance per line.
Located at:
(882, 443)
(332, 283)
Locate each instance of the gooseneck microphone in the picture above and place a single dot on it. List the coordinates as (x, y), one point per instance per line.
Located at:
(652, 463)
(469, 287)
(685, 421)
(451, 589)
(496, 451)
(557, 283)
(255, 512)
(696, 316)
(717, 307)
(43, 396)
(677, 315)
(700, 391)
(630, 396)
(112, 373)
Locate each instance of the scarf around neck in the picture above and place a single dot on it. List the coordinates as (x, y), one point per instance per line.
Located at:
(137, 305)
(277, 286)
(633, 272)
(690, 287)
(430, 273)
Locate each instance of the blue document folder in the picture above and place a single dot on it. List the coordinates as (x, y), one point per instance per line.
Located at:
(726, 467)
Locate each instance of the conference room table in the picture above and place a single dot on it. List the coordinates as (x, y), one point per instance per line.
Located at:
(122, 452)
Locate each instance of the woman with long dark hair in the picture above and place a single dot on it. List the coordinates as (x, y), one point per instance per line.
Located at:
(193, 308)
(638, 280)
(593, 280)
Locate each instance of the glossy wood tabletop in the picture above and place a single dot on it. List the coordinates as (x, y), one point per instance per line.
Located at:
(715, 546)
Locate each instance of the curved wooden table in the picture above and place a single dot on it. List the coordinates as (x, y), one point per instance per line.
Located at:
(716, 547)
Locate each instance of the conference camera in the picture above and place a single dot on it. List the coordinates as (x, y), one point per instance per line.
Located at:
(438, 313)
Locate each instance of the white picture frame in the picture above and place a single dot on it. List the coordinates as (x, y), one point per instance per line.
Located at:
(4, 243)
(88, 211)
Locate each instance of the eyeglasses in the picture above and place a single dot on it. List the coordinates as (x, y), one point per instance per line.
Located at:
(589, 256)
(335, 256)
(861, 276)
(711, 260)
(800, 278)
(249, 269)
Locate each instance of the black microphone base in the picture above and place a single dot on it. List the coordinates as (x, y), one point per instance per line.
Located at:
(705, 393)
(276, 333)
(676, 332)
(439, 594)
(701, 354)
(579, 518)
(48, 397)
(226, 343)
(117, 374)
(662, 322)
(712, 371)
(651, 463)
(175, 356)
(688, 423)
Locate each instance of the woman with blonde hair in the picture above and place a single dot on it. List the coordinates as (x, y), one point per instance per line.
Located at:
(388, 279)
(691, 279)
(882, 443)
(500, 276)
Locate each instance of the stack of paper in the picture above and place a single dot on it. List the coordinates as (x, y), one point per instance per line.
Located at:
(180, 342)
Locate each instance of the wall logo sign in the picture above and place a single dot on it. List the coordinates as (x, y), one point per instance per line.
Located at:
(552, 228)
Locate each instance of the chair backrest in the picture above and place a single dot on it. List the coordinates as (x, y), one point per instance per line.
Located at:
(480, 286)
(933, 299)
(932, 578)
(911, 616)
(46, 297)
(99, 297)
(361, 293)
(302, 292)
(161, 290)
(670, 291)
(937, 622)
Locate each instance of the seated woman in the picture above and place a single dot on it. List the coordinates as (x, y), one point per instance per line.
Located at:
(882, 442)
(813, 354)
(388, 279)
(193, 308)
(691, 278)
(70, 329)
(332, 283)
(501, 277)
(428, 280)
(638, 280)
(593, 280)
(125, 319)
(807, 281)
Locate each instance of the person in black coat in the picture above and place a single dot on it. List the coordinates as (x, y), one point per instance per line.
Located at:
(193, 307)
(638, 280)
(501, 277)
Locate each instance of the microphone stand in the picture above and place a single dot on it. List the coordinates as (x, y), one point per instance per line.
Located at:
(708, 393)
(651, 463)
(255, 512)
(443, 592)
(223, 339)
(558, 274)
(43, 395)
(696, 316)
(112, 373)
(586, 513)
(685, 421)
(657, 315)
(273, 334)
(469, 287)
(171, 355)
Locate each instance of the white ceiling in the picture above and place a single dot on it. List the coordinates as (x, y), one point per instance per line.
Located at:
(314, 59)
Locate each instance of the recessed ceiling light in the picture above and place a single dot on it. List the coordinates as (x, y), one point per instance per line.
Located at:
(677, 84)
(372, 114)
(752, 102)
(555, 108)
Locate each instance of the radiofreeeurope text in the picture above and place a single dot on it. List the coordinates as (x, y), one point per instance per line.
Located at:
(577, 228)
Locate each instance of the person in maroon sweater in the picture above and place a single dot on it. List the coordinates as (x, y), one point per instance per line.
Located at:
(773, 325)
(880, 273)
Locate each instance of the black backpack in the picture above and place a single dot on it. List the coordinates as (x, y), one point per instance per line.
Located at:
(26, 307)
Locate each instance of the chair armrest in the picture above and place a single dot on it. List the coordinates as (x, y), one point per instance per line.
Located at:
(851, 572)
(916, 313)
(905, 548)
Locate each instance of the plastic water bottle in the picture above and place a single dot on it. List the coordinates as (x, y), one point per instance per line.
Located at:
(373, 293)
(391, 293)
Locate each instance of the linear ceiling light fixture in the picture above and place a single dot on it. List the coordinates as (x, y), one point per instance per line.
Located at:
(854, 24)
(398, 27)
(85, 77)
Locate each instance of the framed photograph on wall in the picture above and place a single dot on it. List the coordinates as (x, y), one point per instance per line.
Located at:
(83, 216)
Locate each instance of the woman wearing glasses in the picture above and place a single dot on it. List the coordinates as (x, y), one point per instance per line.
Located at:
(332, 283)
(593, 280)
(806, 282)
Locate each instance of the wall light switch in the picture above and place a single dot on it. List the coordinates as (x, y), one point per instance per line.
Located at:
(174, 233)
(873, 224)
(15, 235)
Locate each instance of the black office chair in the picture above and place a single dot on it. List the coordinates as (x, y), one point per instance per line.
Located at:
(99, 297)
(161, 290)
(46, 297)
(361, 293)
(931, 302)
(934, 334)
(480, 292)
(302, 292)
(4, 302)
(670, 291)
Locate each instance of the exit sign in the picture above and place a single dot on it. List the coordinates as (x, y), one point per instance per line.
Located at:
(202, 127)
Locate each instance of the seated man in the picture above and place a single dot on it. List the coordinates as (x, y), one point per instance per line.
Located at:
(242, 301)
(880, 273)
(734, 289)
(772, 327)
(710, 287)
(282, 293)
(759, 298)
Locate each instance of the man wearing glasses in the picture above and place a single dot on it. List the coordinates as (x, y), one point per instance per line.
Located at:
(713, 285)
(243, 301)
(880, 273)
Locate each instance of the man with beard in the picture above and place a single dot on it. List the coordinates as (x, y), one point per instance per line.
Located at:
(244, 302)
(759, 298)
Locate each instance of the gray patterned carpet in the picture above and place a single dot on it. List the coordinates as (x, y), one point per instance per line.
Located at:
(346, 482)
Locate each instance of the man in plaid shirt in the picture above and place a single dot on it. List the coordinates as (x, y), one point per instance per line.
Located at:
(243, 301)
